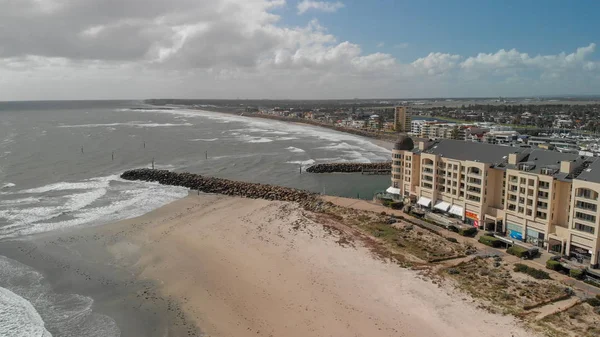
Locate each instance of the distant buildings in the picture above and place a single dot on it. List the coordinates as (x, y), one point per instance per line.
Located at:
(402, 119)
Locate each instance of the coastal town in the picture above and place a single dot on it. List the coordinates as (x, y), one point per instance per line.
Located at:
(563, 125)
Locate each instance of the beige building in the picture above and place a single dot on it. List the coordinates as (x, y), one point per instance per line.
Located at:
(541, 198)
(402, 119)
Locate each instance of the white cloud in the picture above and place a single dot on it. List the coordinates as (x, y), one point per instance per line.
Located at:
(380, 44)
(230, 48)
(322, 6)
(436, 63)
(515, 59)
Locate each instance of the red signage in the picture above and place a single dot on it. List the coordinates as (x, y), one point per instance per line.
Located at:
(471, 215)
(476, 224)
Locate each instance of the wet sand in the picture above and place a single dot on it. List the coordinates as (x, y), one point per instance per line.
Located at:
(244, 267)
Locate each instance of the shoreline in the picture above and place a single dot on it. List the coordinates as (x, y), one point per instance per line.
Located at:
(268, 269)
(377, 138)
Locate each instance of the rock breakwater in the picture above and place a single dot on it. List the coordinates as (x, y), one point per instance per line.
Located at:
(222, 186)
(349, 167)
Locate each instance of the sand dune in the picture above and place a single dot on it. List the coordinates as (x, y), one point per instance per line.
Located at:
(243, 267)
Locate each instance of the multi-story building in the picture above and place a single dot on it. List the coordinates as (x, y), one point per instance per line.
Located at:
(543, 198)
(402, 118)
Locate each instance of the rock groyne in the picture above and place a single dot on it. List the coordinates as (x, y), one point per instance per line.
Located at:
(221, 186)
(350, 167)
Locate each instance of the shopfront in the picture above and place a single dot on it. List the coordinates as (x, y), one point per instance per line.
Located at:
(535, 237)
(514, 231)
(472, 219)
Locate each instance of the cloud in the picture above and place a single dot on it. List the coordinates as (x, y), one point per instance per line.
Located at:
(229, 48)
(401, 45)
(436, 63)
(513, 59)
(322, 6)
(380, 44)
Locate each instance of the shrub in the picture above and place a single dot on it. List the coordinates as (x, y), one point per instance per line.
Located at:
(453, 228)
(554, 265)
(453, 271)
(396, 205)
(452, 240)
(593, 283)
(576, 273)
(594, 301)
(471, 231)
(517, 251)
(490, 241)
(533, 272)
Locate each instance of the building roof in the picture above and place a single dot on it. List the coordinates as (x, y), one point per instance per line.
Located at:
(473, 151)
(539, 159)
(591, 172)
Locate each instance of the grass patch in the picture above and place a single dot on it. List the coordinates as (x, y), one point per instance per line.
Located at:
(533, 272)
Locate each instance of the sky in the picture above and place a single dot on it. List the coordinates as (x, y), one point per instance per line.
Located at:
(297, 49)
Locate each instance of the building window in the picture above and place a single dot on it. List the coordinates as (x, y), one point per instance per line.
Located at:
(584, 228)
(512, 197)
(584, 216)
(395, 184)
(523, 180)
(473, 197)
(474, 181)
(529, 212)
(541, 215)
(512, 179)
(474, 189)
(544, 184)
(427, 185)
(530, 182)
(543, 195)
(512, 207)
(529, 202)
(542, 205)
(521, 209)
(474, 170)
(586, 205)
(427, 161)
(587, 194)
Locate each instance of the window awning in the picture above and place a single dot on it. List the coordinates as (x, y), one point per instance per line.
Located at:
(457, 210)
(424, 201)
(393, 190)
(442, 206)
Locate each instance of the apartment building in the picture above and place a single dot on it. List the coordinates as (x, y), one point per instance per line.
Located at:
(543, 198)
(402, 119)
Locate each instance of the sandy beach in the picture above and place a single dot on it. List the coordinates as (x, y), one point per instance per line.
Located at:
(244, 267)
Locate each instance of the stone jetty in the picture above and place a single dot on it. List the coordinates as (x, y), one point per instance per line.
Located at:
(349, 167)
(222, 186)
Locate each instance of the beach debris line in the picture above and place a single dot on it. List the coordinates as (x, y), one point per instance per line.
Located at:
(350, 167)
(221, 186)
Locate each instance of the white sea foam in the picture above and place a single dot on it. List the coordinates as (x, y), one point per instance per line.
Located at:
(204, 140)
(78, 204)
(303, 163)
(260, 140)
(32, 307)
(128, 124)
(18, 318)
(294, 149)
(7, 186)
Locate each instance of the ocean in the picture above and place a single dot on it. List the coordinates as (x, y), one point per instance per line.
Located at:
(60, 164)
